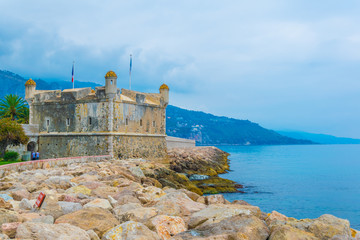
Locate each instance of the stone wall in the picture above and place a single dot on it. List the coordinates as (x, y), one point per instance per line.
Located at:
(140, 146)
(49, 163)
(174, 142)
(71, 145)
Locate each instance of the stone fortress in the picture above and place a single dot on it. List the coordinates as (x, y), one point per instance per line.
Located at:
(105, 121)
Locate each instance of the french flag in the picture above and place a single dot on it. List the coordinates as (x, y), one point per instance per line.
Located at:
(72, 78)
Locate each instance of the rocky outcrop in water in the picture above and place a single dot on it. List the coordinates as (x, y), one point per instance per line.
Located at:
(118, 200)
(202, 166)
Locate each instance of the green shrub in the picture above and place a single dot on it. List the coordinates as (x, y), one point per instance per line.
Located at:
(11, 156)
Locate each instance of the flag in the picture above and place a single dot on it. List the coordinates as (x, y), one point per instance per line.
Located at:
(72, 78)
(130, 64)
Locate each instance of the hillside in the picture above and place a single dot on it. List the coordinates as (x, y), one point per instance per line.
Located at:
(13, 83)
(320, 138)
(208, 129)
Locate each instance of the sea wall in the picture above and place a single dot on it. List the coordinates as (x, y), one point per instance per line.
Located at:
(49, 163)
(174, 142)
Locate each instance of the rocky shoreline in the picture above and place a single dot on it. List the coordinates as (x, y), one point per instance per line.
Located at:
(144, 199)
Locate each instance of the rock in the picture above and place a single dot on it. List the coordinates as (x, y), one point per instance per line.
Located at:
(6, 197)
(215, 199)
(97, 219)
(4, 204)
(25, 204)
(69, 198)
(112, 201)
(5, 185)
(141, 214)
(31, 230)
(355, 234)
(123, 199)
(50, 206)
(79, 189)
(149, 194)
(4, 237)
(288, 232)
(10, 228)
(218, 212)
(137, 172)
(69, 207)
(28, 216)
(44, 219)
(240, 202)
(193, 196)
(18, 195)
(92, 235)
(328, 226)
(275, 216)
(93, 185)
(168, 226)
(32, 186)
(131, 231)
(102, 192)
(177, 204)
(85, 178)
(99, 202)
(61, 182)
(7, 216)
(126, 207)
(236, 227)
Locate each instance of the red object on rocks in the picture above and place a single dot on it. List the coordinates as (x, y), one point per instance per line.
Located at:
(39, 200)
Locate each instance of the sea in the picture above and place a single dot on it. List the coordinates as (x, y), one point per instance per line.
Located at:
(300, 181)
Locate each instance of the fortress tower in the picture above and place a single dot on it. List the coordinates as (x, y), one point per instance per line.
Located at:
(105, 121)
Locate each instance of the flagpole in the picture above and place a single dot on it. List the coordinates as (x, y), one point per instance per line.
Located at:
(130, 72)
(73, 81)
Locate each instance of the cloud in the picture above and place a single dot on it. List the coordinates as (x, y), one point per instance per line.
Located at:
(282, 64)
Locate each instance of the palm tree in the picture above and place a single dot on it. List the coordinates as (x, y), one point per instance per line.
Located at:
(14, 107)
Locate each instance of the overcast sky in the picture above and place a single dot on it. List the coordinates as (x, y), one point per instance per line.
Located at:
(287, 65)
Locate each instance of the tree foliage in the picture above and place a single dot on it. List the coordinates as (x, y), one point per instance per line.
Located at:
(14, 107)
(11, 133)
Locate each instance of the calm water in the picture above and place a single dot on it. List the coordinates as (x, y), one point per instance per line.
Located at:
(302, 181)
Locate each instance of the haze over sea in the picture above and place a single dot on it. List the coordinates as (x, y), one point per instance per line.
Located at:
(300, 181)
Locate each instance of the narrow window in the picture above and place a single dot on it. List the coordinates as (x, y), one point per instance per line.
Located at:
(48, 122)
(111, 82)
(90, 120)
(140, 122)
(68, 122)
(154, 124)
(126, 121)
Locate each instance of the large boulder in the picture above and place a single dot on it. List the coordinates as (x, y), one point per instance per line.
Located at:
(31, 230)
(18, 195)
(328, 226)
(168, 226)
(98, 219)
(79, 189)
(69, 207)
(7, 216)
(99, 202)
(237, 227)
(149, 194)
(287, 232)
(130, 231)
(141, 214)
(177, 204)
(5, 205)
(10, 228)
(218, 212)
(59, 182)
